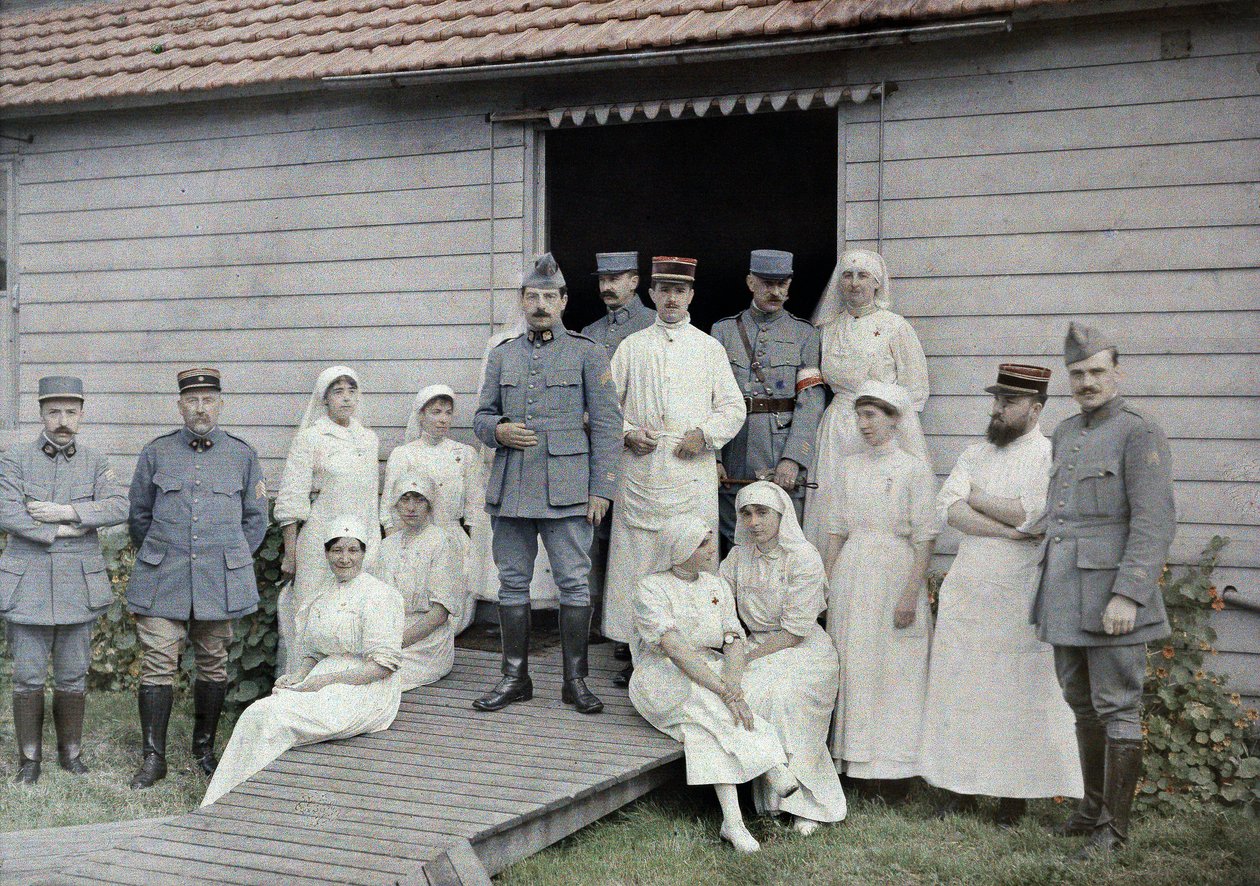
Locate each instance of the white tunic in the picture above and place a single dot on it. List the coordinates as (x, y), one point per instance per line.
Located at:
(793, 689)
(996, 722)
(456, 469)
(330, 471)
(885, 503)
(358, 621)
(880, 346)
(702, 612)
(426, 568)
(670, 379)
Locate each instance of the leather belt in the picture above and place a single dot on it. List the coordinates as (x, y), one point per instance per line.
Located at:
(773, 404)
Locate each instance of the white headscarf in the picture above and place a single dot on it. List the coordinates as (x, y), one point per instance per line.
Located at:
(422, 400)
(772, 496)
(315, 407)
(907, 419)
(418, 483)
(347, 526)
(683, 535)
(832, 303)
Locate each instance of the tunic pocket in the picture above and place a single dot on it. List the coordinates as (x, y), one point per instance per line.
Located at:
(99, 591)
(167, 482)
(1101, 494)
(1097, 559)
(82, 492)
(11, 572)
(568, 468)
(240, 587)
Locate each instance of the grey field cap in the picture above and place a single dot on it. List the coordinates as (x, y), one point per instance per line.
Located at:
(545, 274)
(51, 386)
(616, 262)
(1083, 342)
(770, 264)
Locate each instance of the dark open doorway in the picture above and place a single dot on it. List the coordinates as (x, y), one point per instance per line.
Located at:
(712, 189)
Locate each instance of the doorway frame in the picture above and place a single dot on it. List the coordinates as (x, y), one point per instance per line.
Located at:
(9, 312)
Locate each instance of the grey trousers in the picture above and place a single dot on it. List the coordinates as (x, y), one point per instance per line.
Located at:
(1103, 685)
(69, 647)
(568, 544)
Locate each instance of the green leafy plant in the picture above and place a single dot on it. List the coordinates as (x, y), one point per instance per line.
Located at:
(1197, 732)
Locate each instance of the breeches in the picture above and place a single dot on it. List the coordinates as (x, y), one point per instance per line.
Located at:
(1103, 685)
(162, 640)
(568, 544)
(69, 647)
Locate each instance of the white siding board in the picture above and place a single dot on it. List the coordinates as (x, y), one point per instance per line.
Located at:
(1100, 294)
(459, 202)
(1236, 631)
(1072, 129)
(1195, 206)
(1186, 375)
(291, 180)
(268, 150)
(245, 311)
(367, 275)
(1053, 171)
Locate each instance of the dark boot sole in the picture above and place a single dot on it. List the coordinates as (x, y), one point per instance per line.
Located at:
(567, 697)
(501, 703)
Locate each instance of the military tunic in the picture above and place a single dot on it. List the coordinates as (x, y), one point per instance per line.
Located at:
(1109, 522)
(612, 328)
(198, 513)
(782, 345)
(548, 380)
(45, 580)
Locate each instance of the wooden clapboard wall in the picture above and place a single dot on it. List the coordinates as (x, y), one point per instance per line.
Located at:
(1079, 172)
(269, 239)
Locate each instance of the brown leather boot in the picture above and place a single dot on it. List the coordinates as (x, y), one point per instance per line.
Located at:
(68, 717)
(1124, 768)
(28, 728)
(1091, 745)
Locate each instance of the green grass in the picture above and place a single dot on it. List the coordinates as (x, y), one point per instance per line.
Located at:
(671, 837)
(111, 749)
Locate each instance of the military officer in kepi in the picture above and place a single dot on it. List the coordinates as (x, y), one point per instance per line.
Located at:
(775, 358)
(198, 513)
(618, 274)
(1108, 523)
(54, 495)
(551, 476)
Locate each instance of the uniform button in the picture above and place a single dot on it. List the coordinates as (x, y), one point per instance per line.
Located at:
(1076, 448)
(194, 556)
(529, 418)
(1063, 504)
(1058, 538)
(1060, 520)
(196, 500)
(196, 482)
(195, 519)
(194, 538)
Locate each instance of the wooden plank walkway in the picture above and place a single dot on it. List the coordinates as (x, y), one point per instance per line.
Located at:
(446, 796)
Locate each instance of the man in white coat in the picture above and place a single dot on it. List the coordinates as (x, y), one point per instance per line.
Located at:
(681, 405)
(995, 722)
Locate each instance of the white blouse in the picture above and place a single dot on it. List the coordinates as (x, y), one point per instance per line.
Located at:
(880, 346)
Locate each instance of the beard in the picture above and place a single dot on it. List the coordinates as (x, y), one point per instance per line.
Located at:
(999, 433)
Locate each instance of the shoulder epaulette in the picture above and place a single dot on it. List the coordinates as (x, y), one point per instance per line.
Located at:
(724, 319)
(244, 443)
(508, 339)
(581, 335)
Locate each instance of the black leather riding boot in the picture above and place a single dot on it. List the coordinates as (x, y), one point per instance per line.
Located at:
(575, 628)
(1124, 768)
(28, 728)
(155, 714)
(68, 718)
(1091, 744)
(207, 706)
(515, 685)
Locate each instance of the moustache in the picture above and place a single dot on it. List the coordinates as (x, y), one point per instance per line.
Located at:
(540, 314)
(607, 293)
(63, 431)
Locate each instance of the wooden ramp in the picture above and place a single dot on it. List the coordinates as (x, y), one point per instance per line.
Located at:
(445, 796)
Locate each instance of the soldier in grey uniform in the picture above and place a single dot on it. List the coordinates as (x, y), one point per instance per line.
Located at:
(618, 274)
(550, 477)
(54, 495)
(775, 357)
(1109, 522)
(198, 513)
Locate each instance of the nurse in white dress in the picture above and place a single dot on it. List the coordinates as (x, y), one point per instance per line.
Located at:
(347, 682)
(333, 468)
(862, 340)
(456, 470)
(879, 548)
(687, 681)
(791, 678)
(426, 566)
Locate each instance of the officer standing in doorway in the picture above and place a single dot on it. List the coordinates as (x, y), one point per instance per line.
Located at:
(775, 358)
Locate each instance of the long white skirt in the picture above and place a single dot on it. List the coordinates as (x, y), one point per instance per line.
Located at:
(995, 723)
(429, 660)
(883, 669)
(794, 690)
(716, 750)
(288, 719)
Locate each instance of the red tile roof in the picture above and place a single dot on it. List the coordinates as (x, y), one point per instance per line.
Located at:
(152, 47)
